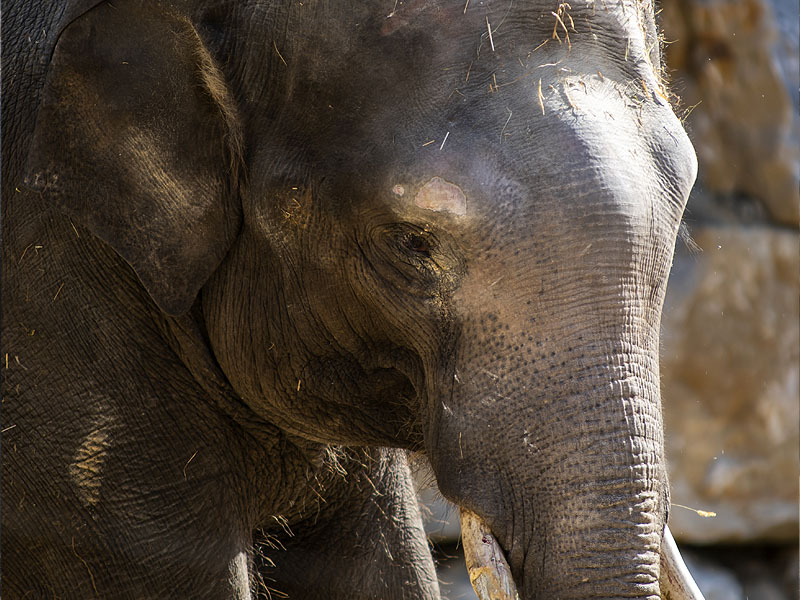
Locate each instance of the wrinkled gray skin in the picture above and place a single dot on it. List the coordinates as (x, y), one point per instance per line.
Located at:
(232, 281)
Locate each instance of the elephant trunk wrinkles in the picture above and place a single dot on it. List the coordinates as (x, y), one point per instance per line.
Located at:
(605, 544)
(597, 531)
(581, 479)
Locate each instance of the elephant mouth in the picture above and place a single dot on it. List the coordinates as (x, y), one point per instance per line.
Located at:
(490, 574)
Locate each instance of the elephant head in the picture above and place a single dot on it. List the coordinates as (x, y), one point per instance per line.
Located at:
(432, 226)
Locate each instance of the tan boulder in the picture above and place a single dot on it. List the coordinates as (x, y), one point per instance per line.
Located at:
(730, 361)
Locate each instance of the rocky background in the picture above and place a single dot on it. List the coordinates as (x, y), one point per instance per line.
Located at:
(731, 329)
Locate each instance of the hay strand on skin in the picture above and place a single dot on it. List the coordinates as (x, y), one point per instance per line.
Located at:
(191, 458)
(284, 524)
(569, 100)
(274, 45)
(502, 131)
(24, 252)
(513, 81)
(555, 30)
(85, 564)
(562, 11)
(541, 96)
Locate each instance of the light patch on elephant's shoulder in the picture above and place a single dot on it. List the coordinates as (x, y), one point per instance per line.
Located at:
(86, 469)
(442, 196)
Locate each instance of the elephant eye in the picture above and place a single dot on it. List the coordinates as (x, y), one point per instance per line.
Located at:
(417, 243)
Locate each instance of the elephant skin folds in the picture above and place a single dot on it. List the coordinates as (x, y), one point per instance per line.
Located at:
(256, 253)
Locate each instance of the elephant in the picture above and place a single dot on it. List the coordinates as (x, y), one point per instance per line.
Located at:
(260, 255)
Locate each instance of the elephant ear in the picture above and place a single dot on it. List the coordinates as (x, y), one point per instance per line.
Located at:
(138, 139)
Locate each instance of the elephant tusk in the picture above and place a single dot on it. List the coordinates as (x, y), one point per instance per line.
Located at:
(491, 578)
(488, 570)
(675, 581)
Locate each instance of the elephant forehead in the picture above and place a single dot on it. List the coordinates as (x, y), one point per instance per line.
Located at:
(441, 196)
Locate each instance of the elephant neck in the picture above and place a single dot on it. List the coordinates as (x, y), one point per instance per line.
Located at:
(187, 336)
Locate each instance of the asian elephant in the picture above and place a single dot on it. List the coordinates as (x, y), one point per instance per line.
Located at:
(256, 251)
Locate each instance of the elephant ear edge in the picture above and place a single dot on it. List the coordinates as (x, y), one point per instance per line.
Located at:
(139, 140)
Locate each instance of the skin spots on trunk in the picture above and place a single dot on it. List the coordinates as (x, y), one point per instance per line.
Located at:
(442, 196)
(86, 469)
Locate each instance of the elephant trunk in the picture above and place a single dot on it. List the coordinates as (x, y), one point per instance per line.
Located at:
(594, 536)
(491, 577)
(556, 408)
(598, 534)
(580, 486)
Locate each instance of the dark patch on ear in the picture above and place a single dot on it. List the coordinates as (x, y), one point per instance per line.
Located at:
(138, 138)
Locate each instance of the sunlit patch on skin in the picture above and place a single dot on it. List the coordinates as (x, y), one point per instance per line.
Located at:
(442, 196)
(239, 577)
(86, 469)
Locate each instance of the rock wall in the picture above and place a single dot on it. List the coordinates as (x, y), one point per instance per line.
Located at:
(730, 385)
(735, 66)
(731, 330)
